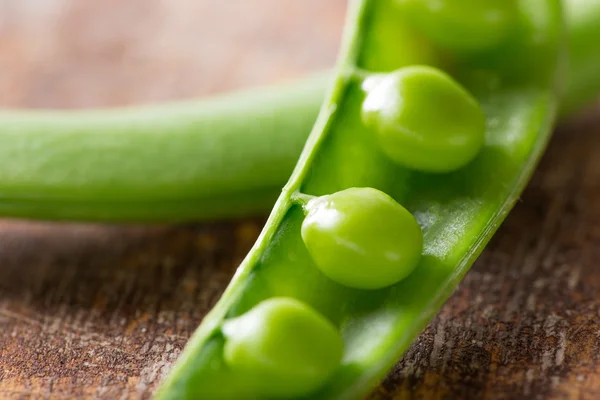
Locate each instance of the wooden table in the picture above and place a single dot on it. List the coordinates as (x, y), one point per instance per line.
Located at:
(89, 311)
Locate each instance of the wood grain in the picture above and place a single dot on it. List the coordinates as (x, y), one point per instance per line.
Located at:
(95, 311)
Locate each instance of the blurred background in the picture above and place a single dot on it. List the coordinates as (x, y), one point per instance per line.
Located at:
(73, 53)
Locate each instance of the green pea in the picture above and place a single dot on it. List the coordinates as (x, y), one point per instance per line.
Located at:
(465, 25)
(424, 120)
(283, 347)
(362, 238)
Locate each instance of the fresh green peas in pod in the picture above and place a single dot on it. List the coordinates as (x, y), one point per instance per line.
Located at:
(423, 119)
(283, 347)
(462, 25)
(362, 238)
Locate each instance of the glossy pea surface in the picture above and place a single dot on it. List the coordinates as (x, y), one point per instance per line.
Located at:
(283, 347)
(362, 238)
(465, 25)
(424, 120)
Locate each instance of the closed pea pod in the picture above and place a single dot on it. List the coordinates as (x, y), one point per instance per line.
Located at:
(352, 215)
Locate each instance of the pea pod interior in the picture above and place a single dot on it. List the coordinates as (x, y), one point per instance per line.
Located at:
(458, 212)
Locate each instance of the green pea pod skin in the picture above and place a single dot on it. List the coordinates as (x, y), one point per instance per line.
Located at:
(458, 212)
(583, 79)
(190, 160)
(217, 158)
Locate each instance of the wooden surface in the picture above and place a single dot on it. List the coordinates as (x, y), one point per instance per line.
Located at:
(90, 311)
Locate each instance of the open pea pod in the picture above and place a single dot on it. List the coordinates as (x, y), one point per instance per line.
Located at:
(429, 133)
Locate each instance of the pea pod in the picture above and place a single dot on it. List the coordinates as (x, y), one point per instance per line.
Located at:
(222, 157)
(171, 162)
(372, 240)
